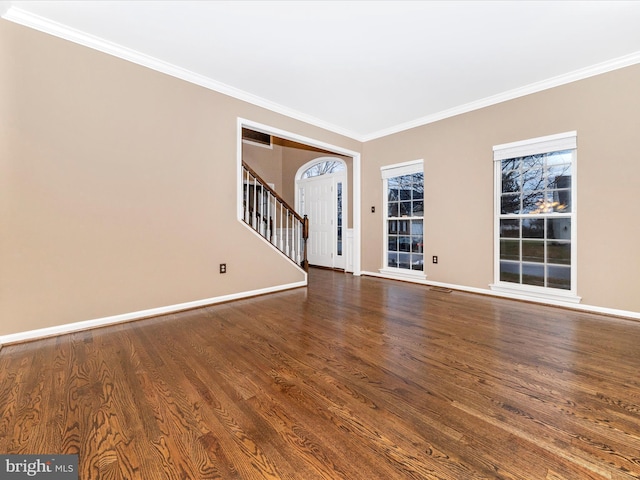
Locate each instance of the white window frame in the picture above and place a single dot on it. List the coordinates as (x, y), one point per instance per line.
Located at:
(540, 145)
(387, 172)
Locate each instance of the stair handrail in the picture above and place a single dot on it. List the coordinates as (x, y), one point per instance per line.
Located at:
(266, 186)
(303, 219)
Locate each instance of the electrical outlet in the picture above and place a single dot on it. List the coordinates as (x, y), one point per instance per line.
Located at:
(223, 268)
(435, 259)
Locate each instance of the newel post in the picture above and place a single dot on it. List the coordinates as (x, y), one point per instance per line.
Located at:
(305, 237)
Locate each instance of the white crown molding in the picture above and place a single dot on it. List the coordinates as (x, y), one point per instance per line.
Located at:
(22, 17)
(59, 30)
(570, 77)
(127, 317)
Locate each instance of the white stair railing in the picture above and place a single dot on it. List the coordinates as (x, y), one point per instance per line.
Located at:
(269, 215)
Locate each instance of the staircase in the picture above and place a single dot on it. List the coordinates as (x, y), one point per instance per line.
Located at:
(269, 215)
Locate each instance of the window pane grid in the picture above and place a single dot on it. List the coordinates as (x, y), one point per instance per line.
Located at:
(405, 209)
(405, 196)
(536, 184)
(535, 220)
(324, 168)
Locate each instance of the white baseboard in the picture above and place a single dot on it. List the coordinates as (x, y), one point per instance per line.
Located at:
(127, 317)
(100, 322)
(486, 291)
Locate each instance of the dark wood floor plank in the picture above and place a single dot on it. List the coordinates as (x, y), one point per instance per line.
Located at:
(351, 378)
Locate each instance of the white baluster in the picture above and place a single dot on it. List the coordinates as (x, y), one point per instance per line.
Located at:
(293, 238)
(255, 203)
(298, 242)
(267, 217)
(245, 186)
(280, 229)
(261, 217)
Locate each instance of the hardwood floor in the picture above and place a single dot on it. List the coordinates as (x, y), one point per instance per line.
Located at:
(352, 378)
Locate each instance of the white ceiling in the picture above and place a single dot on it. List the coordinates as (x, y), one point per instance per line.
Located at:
(360, 68)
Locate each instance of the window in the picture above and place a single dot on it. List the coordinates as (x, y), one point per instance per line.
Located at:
(535, 216)
(324, 168)
(404, 219)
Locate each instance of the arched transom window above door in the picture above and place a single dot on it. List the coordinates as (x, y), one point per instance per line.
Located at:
(324, 167)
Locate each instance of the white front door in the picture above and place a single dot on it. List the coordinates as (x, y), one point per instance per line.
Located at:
(321, 199)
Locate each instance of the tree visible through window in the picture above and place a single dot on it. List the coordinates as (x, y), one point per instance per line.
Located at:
(535, 216)
(323, 168)
(404, 216)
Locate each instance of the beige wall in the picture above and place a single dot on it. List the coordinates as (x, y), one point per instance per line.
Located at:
(266, 162)
(605, 112)
(115, 187)
(115, 183)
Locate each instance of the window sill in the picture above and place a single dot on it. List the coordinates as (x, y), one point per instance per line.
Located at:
(403, 274)
(524, 292)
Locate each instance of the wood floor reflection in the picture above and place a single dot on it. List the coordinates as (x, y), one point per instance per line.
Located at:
(350, 378)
